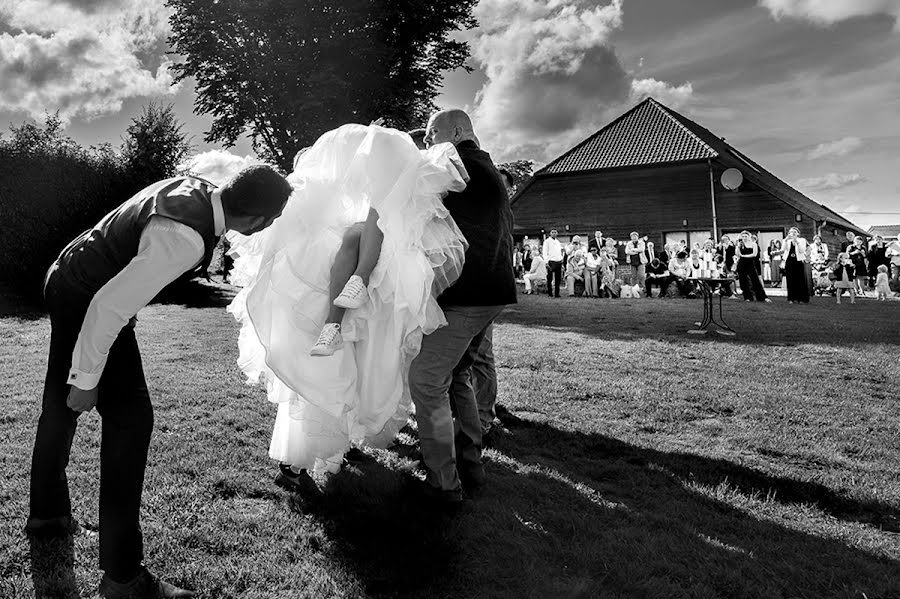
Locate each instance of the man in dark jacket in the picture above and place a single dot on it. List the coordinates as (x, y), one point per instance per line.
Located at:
(484, 370)
(657, 276)
(597, 241)
(440, 377)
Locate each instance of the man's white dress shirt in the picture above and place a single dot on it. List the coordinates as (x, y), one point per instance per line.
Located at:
(552, 250)
(167, 250)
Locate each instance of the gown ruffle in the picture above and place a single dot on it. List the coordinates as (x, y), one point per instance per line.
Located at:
(360, 395)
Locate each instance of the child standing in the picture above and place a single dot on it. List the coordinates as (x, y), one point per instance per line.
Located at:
(882, 288)
(845, 275)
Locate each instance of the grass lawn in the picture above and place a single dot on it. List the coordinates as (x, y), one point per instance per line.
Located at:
(639, 462)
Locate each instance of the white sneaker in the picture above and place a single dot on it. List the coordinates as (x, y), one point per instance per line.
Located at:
(353, 295)
(330, 340)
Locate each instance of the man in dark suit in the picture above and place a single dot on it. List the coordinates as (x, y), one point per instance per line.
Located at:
(440, 376)
(596, 241)
(93, 292)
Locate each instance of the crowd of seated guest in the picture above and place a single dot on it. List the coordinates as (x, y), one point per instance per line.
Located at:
(590, 269)
(602, 267)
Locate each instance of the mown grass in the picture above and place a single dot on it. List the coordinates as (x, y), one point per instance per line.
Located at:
(639, 462)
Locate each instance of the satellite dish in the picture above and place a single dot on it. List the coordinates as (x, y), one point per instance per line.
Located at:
(732, 179)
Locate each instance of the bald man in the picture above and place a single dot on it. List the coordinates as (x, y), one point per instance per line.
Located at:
(440, 376)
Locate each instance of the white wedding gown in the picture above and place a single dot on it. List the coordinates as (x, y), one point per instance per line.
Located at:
(360, 395)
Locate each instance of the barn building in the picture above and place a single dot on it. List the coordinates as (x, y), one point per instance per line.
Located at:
(886, 231)
(655, 171)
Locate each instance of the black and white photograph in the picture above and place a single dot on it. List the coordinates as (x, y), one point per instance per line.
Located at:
(433, 299)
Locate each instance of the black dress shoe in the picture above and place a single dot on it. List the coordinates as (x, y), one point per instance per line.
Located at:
(502, 412)
(357, 456)
(295, 482)
(444, 498)
(144, 586)
(490, 437)
(409, 452)
(471, 475)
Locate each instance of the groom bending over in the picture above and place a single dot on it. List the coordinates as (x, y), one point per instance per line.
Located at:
(448, 420)
(93, 291)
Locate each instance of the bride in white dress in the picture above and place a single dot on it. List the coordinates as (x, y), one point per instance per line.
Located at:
(360, 394)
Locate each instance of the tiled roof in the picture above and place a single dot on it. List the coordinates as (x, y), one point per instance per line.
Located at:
(761, 177)
(885, 230)
(646, 134)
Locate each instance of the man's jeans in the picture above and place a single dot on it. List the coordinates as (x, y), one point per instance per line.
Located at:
(590, 284)
(484, 378)
(637, 274)
(441, 388)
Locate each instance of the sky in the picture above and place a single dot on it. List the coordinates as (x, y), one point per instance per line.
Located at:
(810, 89)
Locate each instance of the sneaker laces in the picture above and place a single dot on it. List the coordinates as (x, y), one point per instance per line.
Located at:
(329, 334)
(353, 287)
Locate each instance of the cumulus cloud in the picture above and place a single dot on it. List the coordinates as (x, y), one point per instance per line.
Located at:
(218, 166)
(829, 181)
(553, 77)
(91, 6)
(828, 12)
(83, 58)
(841, 147)
(675, 98)
(550, 70)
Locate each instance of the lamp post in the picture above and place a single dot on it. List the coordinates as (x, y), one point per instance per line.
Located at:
(712, 199)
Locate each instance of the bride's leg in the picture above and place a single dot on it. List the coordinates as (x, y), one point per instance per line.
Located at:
(369, 247)
(345, 263)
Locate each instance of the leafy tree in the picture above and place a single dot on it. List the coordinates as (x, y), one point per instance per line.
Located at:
(31, 138)
(521, 170)
(154, 145)
(287, 71)
(51, 189)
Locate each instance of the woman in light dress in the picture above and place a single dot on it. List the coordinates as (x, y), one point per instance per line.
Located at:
(574, 271)
(537, 270)
(359, 395)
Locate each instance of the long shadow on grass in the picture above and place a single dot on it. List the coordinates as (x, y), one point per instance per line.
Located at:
(196, 293)
(376, 516)
(577, 451)
(53, 568)
(697, 536)
(577, 527)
